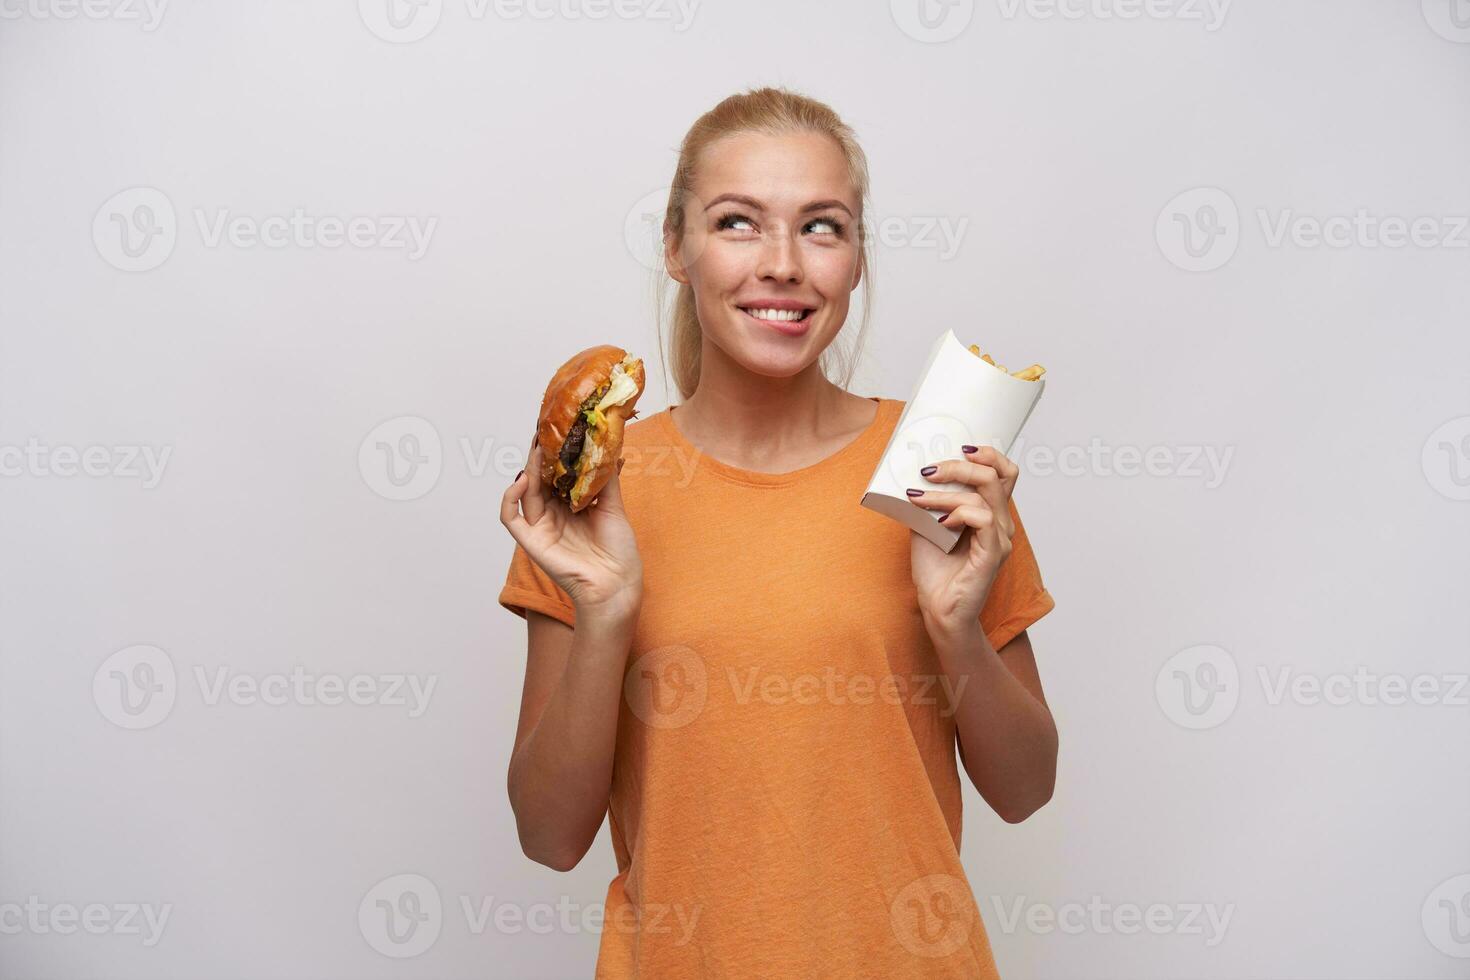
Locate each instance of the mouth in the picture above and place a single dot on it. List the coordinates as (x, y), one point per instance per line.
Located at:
(787, 321)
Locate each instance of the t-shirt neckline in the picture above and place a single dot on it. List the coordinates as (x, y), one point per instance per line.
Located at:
(755, 478)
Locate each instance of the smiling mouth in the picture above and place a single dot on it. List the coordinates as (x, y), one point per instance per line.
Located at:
(776, 316)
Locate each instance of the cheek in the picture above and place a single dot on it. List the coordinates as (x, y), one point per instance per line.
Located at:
(831, 272)
(717, 268)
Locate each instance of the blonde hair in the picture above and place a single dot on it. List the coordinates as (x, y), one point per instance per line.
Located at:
(772, 111)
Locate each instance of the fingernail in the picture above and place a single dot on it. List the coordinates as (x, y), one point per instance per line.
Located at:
(914, 493)
(969, 449)
(518, 476)
(929, 471)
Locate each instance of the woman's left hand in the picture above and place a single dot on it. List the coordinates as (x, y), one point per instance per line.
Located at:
(952, 588)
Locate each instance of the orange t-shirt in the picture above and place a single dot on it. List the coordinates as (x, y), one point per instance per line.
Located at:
(785, 798)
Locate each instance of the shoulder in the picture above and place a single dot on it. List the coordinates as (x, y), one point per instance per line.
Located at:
(642, 428)
(891, 408)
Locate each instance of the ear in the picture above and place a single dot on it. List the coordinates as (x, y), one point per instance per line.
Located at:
(672, 263)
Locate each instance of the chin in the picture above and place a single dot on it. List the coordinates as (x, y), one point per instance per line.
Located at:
(768, 363)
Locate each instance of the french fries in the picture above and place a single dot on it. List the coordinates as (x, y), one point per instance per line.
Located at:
(1032, 373)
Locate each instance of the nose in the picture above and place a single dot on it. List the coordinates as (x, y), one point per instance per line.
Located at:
(780, 259)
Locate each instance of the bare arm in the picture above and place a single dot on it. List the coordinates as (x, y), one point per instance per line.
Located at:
(561, 769)
(1001, 713)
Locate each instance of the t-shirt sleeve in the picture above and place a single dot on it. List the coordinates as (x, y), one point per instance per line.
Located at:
(1017, 597)
(527, 586)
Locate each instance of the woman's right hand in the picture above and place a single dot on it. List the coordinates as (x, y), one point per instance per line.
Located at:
(592, 555)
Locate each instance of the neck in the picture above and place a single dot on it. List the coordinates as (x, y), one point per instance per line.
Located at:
(736, 413)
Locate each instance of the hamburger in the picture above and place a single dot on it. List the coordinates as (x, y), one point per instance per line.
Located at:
(580, 428)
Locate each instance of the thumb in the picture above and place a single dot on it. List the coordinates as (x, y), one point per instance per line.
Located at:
(611, 495)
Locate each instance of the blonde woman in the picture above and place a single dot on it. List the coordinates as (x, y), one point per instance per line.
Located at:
(761, 683)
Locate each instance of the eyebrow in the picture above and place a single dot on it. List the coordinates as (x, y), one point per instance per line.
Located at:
(751, 202)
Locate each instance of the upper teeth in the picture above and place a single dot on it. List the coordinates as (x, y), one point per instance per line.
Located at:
(775, 314)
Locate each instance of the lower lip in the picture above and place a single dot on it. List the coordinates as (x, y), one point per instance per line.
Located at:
(791, 328)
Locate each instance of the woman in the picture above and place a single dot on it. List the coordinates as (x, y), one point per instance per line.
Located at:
(760, 682)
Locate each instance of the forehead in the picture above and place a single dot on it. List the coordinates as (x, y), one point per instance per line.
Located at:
(782, 171)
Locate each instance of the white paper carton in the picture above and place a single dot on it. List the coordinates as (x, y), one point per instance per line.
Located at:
(960, 400)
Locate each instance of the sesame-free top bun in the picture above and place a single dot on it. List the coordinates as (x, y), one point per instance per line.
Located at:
(582, 377)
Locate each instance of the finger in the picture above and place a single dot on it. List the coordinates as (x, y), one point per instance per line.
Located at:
(982, 519)
(534, 501)
(610, 497)
(510, 509)
(999, 461)
(986, 480)
(945, 499)
(985, 526)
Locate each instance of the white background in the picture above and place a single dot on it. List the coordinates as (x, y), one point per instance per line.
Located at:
(1054, 148)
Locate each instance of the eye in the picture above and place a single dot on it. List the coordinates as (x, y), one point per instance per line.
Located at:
(731, 220)
(834, 226)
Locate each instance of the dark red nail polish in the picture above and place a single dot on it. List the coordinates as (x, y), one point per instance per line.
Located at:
(969, 449)
(929, 471)
(518, 476)
(914, 493)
